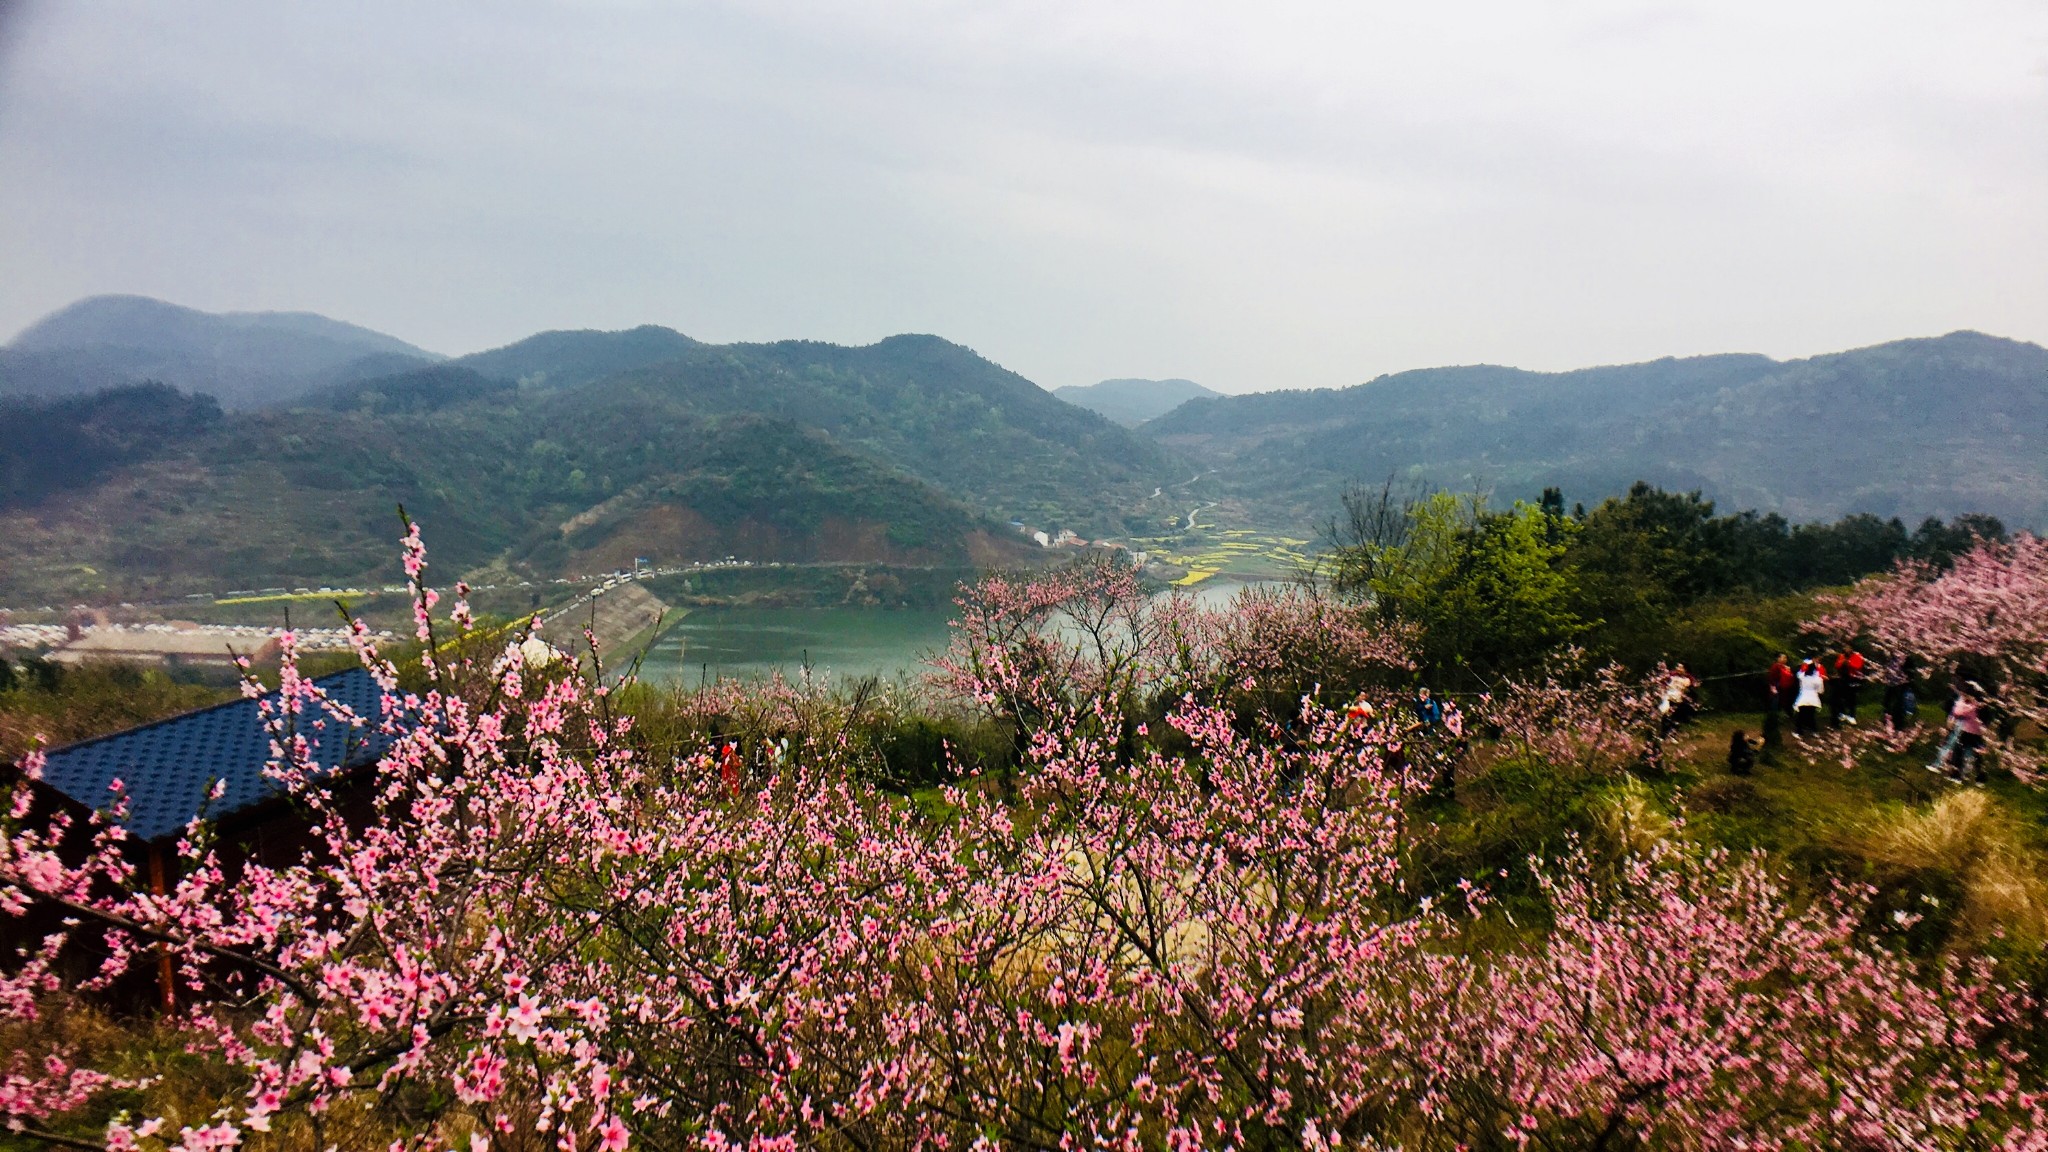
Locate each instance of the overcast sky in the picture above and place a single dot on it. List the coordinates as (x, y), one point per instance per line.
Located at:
(1251, 195)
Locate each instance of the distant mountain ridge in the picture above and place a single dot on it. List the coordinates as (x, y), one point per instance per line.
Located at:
(268, 359)
(242, 359)
(1131, 402)
(566, 453)
(1919, 427)
(144, 322)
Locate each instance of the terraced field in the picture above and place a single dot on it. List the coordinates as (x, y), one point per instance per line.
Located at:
(1208, 552)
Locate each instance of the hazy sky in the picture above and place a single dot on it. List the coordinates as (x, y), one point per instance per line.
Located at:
(1251, 195)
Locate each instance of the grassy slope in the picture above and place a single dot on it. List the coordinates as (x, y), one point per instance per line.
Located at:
(1969, 862)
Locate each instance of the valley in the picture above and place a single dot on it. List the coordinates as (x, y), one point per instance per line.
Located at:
(797, 475)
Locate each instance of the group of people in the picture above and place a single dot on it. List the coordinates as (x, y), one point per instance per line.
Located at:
(1431, 715)
(1834, 687)
(1817, 686)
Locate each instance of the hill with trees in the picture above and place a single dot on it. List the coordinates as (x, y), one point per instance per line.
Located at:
(1912, 428)
(563, 359)
(1493, 590)
(242, 359)
(930, 407)
(910, 451)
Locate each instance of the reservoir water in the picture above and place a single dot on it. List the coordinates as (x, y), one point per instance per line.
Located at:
(755, 643)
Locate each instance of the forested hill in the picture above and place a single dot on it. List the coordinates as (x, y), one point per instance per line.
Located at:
(1912, 428)
(934, 409)
(554, 461)
(564, 359)
(242, 359)
(930, 407)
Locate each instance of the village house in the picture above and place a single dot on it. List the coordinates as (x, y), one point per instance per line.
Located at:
(168, 772)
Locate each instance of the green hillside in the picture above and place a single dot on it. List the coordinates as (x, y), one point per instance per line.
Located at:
(911, 451)
(932, 408)
(1913, 428)
(566, 359)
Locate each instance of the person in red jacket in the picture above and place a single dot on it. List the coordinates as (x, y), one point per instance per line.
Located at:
(1779, 687)
(1848, 682)
(1778, 684)
(729, 768)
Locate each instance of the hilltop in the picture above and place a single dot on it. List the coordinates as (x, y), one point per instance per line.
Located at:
(564, 359)
(1911, 428)
(242, 359)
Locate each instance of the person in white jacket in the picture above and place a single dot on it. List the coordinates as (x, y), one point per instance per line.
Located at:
(1812, 684)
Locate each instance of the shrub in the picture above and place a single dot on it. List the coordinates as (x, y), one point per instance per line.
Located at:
(51, 704)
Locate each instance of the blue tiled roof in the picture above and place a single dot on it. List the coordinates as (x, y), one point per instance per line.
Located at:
(169, 766)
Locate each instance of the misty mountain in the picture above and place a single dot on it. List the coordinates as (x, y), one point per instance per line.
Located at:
(1912, 428)
(243, 359)
(1132, 402)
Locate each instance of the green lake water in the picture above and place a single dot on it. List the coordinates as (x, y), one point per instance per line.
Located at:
(755, 643)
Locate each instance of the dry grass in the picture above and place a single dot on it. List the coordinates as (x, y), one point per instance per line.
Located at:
(1967, 842)
(1628, 821)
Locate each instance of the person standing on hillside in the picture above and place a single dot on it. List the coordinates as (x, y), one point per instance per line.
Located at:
(1427, 709)
(1778, 685)
(1961, 751)
(729, 768)
(1848, 680)
(1813, 686)
(1969, 714)
(1900, 701)
(1674, 702)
